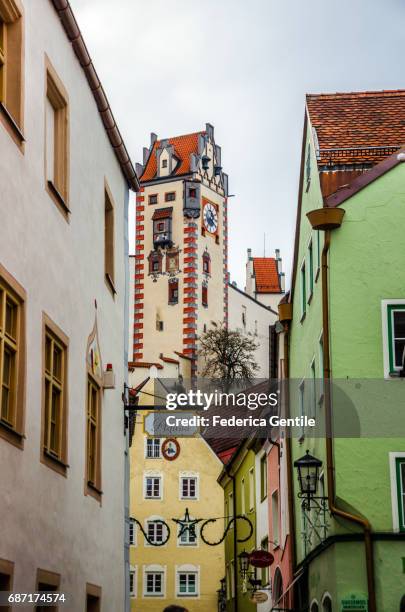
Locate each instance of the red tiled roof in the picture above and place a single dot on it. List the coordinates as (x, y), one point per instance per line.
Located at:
(266, 275)
(183, 147)
(144, 364)
(370, 124)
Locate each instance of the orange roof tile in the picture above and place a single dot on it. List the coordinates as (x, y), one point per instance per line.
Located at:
(370, 125)
(266, 275)
(183, 147)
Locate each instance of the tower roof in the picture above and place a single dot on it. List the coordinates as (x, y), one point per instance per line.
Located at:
(266, 275)
(183, 146)
(357, 127)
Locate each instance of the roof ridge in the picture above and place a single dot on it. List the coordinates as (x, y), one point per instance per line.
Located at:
(383, 93)
(181, 136)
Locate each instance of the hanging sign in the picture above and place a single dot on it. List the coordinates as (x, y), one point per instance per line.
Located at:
(170, 449)
(260, 558)
(355, 602)
(259, 597)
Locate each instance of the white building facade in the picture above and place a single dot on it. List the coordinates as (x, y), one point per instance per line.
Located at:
(63, 315)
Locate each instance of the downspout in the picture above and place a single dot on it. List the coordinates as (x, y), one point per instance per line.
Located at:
(291, 518)
(334, 510)
(235, 546)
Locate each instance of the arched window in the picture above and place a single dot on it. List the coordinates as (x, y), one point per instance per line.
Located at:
(326, 604)
(314, 606)
(277, 586)
(402, 605)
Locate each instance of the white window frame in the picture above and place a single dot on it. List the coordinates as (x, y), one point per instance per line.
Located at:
(132, 533)
(189, 475)
(159, 456)
(187, 569)
(133, 571)
(393, 456)
(147, 475)
(154, 569)
(149, 520)
(385, 336)
(251, 489)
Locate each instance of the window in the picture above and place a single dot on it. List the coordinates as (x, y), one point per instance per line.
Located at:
(188, 538)
(244, 317)
(206, 263)
(132, 533)
(318, 253)
(187, 584)
(162, 227)
(243, 497)
(265, 571)
(173, 286)
(109, 241)
(400, 479)
(93, 598)
(301, 399)
(164, 163)
(396, 336)
(327, 604)
(303, 291)
(275, 518)
(11, 68)
(6, 577)
(48, 582)
(313, 389)
(155, 531)
(152, 487)
(188, 487)
(132, 582)
(263, 477)
(204, 298)
(12, 349)
(54, 436)
(315, 607)
(93, 434)
(56, 140)
(230, 507)
(311, 270)
(170, 196)
(251, 489)
(153, 198)
(154, 584)
(153, 448)
(308, 168)
(192, 192)
(155, 262)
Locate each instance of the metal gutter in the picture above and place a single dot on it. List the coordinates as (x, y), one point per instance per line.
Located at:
(73, 33)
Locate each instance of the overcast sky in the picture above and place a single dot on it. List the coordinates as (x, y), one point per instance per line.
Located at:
(244, 66)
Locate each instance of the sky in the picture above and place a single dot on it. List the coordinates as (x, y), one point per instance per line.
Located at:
(245, 67)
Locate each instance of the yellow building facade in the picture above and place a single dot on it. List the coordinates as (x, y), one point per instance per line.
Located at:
(184, 570)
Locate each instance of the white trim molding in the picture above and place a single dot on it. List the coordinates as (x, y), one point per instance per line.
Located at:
(187, 568)
(394, 488)
(155, 569)
(385, 338)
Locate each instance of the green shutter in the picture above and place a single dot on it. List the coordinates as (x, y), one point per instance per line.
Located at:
(400, 472)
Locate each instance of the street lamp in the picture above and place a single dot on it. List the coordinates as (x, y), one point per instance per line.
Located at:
(308, 475)
(244, 559)
(222, 596)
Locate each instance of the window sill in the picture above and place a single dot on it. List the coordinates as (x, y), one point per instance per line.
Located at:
(172, 303)
(93, 491)
(12, 436)
(11, 126)
(58, 199)
(110, 284)
(54, 463)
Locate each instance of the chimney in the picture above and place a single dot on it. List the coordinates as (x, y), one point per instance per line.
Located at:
(282, 282)
(278, 262)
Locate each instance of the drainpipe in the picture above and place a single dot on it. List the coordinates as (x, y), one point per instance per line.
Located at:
(235, 547)
(334, 510)
(291, 520)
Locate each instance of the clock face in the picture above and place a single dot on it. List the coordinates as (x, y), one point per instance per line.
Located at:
(210, 218)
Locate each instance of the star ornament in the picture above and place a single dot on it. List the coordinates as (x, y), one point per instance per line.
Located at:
(187, 524)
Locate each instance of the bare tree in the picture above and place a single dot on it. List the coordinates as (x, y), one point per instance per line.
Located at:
(228, 355)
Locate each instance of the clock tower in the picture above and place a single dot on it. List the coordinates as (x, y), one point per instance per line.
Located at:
(181, 270)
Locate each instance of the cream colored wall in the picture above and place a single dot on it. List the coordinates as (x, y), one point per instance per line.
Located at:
(254, 313)
(156, 293)
(196, 457)
(47, 520)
